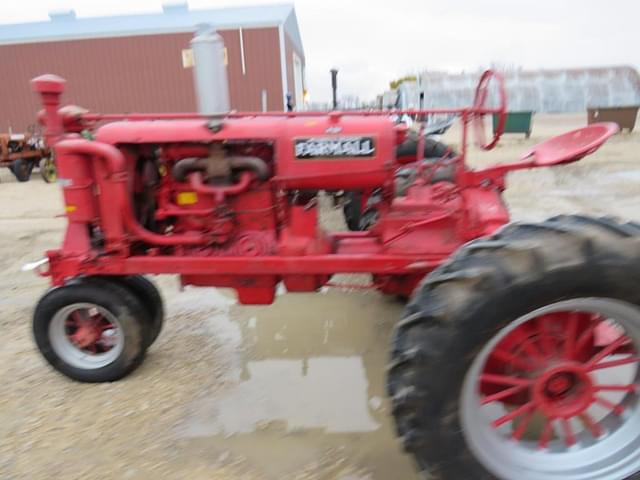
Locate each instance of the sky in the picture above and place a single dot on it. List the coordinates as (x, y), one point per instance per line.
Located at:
(374, 41)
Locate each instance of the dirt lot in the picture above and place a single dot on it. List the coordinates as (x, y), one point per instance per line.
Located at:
(293, 391)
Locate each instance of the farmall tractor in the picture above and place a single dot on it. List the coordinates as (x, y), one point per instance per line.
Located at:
(517, 355)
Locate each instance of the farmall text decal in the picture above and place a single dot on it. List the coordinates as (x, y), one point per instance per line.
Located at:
(334, 147)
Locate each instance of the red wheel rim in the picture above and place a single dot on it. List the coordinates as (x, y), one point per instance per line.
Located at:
(86, 335)
(554, 385)
(545, 366)
(87, 329)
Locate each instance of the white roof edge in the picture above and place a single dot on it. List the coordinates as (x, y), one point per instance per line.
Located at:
(152, 23)
(129, 33)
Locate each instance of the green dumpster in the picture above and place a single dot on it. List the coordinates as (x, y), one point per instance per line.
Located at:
(517, 122)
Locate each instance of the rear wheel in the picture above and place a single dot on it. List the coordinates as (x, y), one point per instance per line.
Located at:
(91, 332)
(519, 358)
(352, 210)
(21, 169)
(433, 149)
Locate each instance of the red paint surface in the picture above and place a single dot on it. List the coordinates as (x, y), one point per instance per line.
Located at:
(258, 226)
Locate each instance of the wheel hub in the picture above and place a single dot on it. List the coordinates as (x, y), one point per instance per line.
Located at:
(86, 335)
(90, 331)
(559, 384)
(564, 391)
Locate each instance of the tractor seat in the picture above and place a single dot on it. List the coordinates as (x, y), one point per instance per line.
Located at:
(571, 146)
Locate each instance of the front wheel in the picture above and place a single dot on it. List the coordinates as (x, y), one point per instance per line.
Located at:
(48, 170)
(150, 298)
(91, 332)
(519, 358)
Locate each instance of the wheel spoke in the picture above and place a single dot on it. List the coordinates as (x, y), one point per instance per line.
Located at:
(77, 317)
(617, 409)
(526, 344)
(631, 387)
(569, 437)
(615, 363)
(545, 339)
(105, 326)
(545, 436)
(504, 380)
(502, 394)
(522, 426)
(595, 428)
(527, 407)
(512, 359)
(572, 330)
(588, 333)
(605, 352)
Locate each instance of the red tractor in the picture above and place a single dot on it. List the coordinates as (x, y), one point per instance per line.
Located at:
(517, 356)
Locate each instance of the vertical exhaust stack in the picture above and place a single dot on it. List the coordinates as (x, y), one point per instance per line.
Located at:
(50, 88)
(334, 87)
(210, 71)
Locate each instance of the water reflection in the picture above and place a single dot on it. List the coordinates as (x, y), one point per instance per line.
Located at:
(306, 396)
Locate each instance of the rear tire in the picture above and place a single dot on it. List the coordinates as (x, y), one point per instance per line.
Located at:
(22, 169)
(353, 210)
(489, 288)
(433, 149)
(91, 332)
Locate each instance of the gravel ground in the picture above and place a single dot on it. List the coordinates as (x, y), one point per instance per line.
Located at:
(291, 391)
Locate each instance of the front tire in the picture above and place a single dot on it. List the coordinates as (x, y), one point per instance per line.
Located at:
(150, 298)
(499, 366)
(48, 169)
(91, 332)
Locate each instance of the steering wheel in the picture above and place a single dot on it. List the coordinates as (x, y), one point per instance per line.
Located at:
(480, 105)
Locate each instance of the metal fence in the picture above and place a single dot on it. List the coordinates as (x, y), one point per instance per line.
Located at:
(536, 90)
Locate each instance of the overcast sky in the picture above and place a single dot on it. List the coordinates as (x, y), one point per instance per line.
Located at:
(373, 41)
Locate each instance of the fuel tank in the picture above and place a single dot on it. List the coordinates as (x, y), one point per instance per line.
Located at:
(336, 152)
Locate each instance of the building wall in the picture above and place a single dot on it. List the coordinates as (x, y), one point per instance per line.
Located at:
(262, 68)
(135, 74)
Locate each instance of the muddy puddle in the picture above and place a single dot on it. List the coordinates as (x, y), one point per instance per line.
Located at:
(304, 396)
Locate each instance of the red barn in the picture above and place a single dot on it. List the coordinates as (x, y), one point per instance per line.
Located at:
(141, 63)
